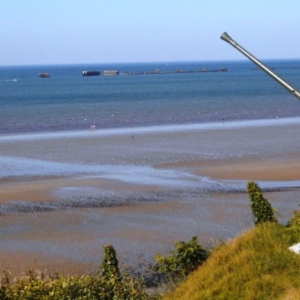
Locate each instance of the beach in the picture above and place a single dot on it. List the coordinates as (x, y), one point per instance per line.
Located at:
(64, 195)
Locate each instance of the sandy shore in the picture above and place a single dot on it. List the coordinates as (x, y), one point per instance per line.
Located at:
(131, 227)
(276, 168)
(62, 199)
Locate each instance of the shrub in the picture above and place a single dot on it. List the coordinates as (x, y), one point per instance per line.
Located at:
(261, 208)
(110, 264)
(186, 258)
(109, 285)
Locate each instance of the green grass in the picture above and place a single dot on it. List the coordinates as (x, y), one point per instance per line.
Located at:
(256, 265)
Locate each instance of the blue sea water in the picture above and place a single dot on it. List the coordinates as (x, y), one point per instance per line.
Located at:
(69, 101)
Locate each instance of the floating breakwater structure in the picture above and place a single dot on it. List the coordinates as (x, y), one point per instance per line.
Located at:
(111, 73)
(178, 71)
(155, 72)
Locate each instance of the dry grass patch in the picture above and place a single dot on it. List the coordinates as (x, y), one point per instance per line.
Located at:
(256, 265)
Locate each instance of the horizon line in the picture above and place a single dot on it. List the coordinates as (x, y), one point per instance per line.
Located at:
(142, 62)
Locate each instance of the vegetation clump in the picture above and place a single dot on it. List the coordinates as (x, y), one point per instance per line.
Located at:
(106, 286)
(262, 210)
(110, 264)
(186, 258)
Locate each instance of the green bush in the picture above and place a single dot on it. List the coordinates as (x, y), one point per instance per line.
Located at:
(74, 287)
(186, 258)
(261, 208)
(109, 285)
(110, 264)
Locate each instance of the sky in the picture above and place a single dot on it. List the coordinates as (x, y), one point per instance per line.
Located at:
(39, 32)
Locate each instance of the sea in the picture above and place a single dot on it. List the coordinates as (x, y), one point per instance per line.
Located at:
(92, 160)
(152, 94)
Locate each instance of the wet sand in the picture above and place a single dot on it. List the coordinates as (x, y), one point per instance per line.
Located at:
(276, 168)
(62, 199)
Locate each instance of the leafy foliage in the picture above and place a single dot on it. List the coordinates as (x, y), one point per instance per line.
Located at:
(73, 287)
(186, 258)
(106, 286)
(110, 264)
(261, 208)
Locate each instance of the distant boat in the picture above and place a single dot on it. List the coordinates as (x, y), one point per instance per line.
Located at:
(44, 75)
(90, 73)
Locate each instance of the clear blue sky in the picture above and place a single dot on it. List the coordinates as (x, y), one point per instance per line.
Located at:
(103, 31)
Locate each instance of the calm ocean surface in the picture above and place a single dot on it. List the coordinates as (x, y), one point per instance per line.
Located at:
(69, 101)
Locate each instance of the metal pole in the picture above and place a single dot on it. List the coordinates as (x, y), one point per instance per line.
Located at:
(291, 89)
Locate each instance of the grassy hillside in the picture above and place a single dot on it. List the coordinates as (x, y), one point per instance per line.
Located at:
(256, 265)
